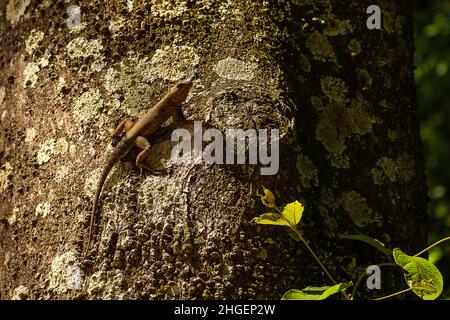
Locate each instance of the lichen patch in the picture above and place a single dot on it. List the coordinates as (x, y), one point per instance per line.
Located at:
(43, 209)
(135, 71)
(2, 95)
(50, 148)
(15, 9)
(30, 135)
(175, 62)
(30, 74)
(65, 273)
(88, 105)
(168, 9)
(21, 293)
(106, 284)
(307, 170)
(359, 211)
(5, 173)
(116, 25)
(33, 41)
(31, 71)
(83, 48)
(156, 194)
(61, 174)
(235, 69)
(320, 47)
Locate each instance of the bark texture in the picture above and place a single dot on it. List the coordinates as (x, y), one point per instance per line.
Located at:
(342, 96)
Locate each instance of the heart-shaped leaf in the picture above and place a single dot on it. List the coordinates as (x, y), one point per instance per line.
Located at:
(293, 212)
(423, 277)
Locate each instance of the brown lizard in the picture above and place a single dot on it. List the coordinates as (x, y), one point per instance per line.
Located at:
(137, 133)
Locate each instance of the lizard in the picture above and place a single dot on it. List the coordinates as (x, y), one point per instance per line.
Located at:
(136, 134)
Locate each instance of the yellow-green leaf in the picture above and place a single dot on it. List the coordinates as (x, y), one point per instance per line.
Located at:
(293, 212)
(315, 293)
(272, 219)
(268, 199)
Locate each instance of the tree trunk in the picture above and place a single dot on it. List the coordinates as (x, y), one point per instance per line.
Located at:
(341, 95)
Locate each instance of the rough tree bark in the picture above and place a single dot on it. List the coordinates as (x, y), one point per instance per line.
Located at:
(342, 96)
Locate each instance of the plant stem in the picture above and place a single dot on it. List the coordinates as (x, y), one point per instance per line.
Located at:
(394, 294)
(433, 245)
(294, 228)
(313, 254)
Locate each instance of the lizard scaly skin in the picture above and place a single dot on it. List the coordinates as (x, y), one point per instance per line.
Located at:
(136, 134)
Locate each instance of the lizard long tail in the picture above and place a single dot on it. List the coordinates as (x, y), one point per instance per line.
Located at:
(122, 148)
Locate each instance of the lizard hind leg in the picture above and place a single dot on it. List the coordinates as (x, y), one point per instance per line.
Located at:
(143, 144)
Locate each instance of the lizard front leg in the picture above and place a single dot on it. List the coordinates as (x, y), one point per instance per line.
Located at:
(125, 125)
(143, 144)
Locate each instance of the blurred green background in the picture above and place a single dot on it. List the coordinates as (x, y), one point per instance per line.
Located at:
(432, 29)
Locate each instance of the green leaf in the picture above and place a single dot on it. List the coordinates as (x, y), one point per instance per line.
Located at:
(293, 212)
(274, 219)
(268, 199)
(315, 293)
(423, 277)
(369, 240)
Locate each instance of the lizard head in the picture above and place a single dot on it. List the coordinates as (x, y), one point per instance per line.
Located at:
(181, 91)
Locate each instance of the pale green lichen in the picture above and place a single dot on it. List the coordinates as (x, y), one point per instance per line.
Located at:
(82, 48)
(157, 194)
(364, 77)
(168, 9)
(5, 172)
(33, 41)
(66, 273)
(131, 78)
(130, 5)
(2, 95)
(326, 207)
(317, 103)
(307, 170)
(235, 69)
(320, 47)
(338, 123)
(392, 135)
(31, 71)
(405, 163)
(21, 293)
(334, 88)
(116, 25)
(30, 74)
(360, 213)
(135, 71)
(107, 284)
(15, 9)
(13, 217)
(43, 209)
(88, 105)
(393, 22)
(175, 62)
(335, 27)
(61, 174)
(354, 47)
(50, 148)
(389, 170)
(30, 134)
